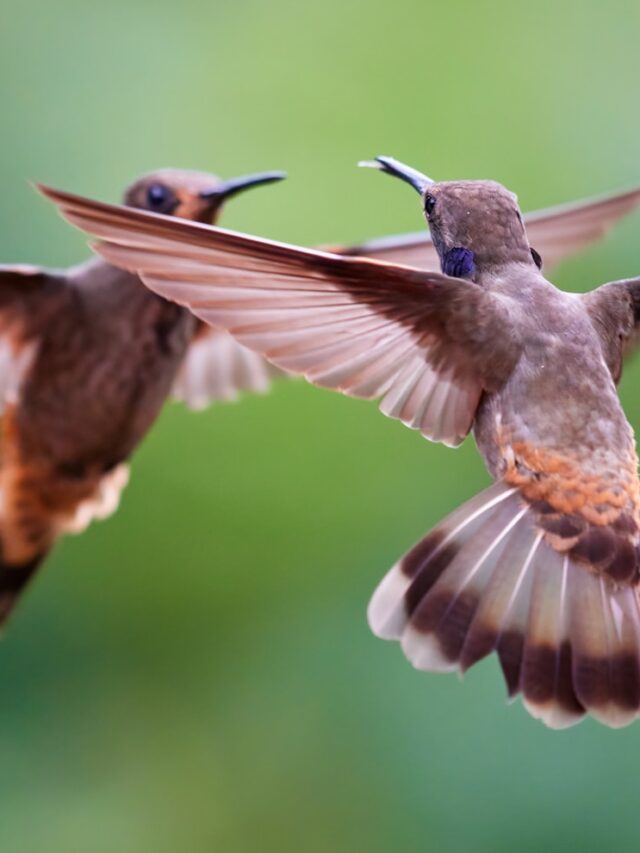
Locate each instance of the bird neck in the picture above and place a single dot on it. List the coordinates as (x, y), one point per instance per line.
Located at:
(511, 277)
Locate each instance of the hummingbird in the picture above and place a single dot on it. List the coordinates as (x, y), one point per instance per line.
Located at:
(88, 356)
(542, 567)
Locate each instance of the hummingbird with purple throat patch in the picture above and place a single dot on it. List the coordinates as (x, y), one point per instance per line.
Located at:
(88, 356)
(542, 567)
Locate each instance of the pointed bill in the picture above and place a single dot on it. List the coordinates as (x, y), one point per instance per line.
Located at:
(397, 169)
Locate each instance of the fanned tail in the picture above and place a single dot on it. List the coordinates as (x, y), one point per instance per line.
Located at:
(487, 580)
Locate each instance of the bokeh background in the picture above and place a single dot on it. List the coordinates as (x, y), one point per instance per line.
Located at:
(196, 673)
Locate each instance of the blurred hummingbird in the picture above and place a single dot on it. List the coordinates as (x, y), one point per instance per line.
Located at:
(88, 356)
(543, 566)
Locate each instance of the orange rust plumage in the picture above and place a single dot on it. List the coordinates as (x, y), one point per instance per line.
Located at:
(544, 475)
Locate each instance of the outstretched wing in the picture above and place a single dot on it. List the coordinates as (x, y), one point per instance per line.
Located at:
(426, 344)
(414, 250)
(614, 309)
(217, 367)
(555, 233)
(29, 298)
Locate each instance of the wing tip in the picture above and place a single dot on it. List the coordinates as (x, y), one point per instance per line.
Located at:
(47, 191)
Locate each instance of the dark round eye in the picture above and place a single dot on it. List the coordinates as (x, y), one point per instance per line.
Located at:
(537, 258)
(157, 196)
(429, 204)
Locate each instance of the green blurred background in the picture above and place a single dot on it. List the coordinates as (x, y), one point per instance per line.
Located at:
(196, 673)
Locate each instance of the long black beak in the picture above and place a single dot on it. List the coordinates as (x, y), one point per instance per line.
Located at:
(400, 170)
(233, 186)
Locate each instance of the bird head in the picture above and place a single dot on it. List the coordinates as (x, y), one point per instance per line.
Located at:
(190, 195)
(476, 226)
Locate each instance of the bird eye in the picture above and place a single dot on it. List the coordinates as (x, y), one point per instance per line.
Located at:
(537, 258)
(429, 204)
(157, 196)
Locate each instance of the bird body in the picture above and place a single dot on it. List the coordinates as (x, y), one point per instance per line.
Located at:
(94, 378)
(110, 353)
(559, 391)
(88, 358)
(541, 567)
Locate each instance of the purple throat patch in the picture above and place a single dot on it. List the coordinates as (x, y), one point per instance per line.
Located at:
(459, 262)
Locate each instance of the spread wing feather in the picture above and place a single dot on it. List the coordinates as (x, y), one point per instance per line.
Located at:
(426, 344)
(217, 367)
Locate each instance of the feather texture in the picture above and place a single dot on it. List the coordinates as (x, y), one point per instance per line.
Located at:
(486, 580)
(217, 367)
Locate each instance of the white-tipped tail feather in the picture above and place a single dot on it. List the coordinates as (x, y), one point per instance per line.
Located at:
(485, 580)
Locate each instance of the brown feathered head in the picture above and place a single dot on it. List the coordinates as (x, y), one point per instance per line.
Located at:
(476, 226)
(190, 195)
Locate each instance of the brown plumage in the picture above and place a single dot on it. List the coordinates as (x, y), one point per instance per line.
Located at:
(542, 567)
(87, 358)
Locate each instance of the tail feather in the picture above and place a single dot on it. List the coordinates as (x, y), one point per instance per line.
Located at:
(448, 610)
(590, 643)
(502, 608)
(487, 580)
(13, 580)
(605, 664)
(617, 709)
(420, 568)
(545, 679)
(625, 609)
